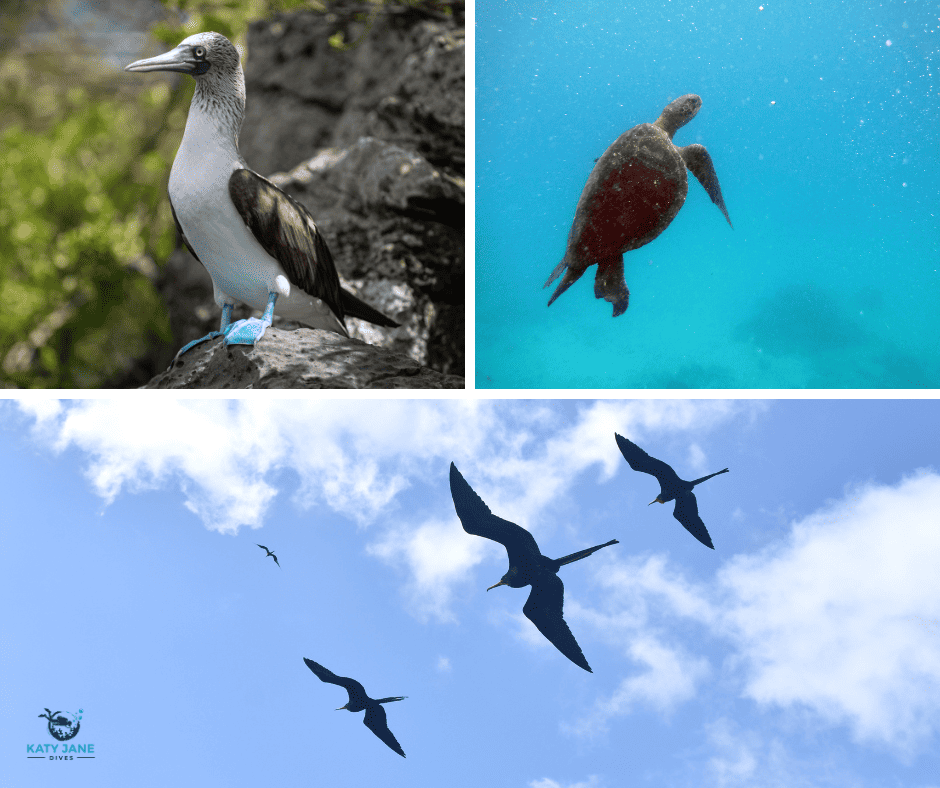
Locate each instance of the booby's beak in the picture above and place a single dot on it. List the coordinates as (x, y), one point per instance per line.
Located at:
(179, 59)
(652, 502)
(341, 708)
(501, 582)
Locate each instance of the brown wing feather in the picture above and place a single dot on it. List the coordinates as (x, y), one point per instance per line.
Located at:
(287, 232)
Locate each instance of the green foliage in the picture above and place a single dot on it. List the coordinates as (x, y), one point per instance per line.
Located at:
(82, 179)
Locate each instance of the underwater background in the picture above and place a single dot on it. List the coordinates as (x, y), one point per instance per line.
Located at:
(821, 120)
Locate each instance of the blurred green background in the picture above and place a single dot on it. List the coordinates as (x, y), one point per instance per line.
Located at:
(85, 154)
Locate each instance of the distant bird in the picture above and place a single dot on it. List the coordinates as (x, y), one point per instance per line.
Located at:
(269, 553)
(375, 719)
(671, 488)
(527, 566)
(258, 245)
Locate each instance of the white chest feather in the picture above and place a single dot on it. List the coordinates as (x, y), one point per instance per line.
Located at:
(240, 268)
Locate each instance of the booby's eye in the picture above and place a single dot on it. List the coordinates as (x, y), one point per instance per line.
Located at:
(199, 52)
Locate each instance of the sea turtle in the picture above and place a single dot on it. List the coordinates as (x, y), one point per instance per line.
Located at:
(636, 188)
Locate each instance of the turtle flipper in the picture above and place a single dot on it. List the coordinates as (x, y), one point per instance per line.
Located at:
(571, 276)
(698, 161)
(610, 285)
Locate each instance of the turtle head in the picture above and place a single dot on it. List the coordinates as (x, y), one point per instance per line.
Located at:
(678, 113)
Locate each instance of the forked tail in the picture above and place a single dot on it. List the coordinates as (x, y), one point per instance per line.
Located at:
(583, 553)
(706, 478)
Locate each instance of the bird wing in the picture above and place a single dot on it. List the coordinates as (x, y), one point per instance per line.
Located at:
(639, 460)
(350, 685)
(287, 232)
(376, 721)
(275, 560)
(263, 547)
(544, 608)
(686, 512)
(477, 519)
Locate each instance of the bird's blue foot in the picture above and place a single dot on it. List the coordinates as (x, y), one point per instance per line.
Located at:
(190, 345)
(249, 331)
(226, 322)
(246, 332)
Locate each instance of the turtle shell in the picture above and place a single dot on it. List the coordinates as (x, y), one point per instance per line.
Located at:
(634, 191)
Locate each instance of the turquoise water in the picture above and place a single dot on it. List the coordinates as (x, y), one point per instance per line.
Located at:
(825, 141)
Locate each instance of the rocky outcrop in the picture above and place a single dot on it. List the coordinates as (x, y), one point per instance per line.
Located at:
(304, 359)
(371, 139)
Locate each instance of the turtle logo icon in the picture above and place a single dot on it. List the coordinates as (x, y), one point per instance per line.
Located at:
(62, 728)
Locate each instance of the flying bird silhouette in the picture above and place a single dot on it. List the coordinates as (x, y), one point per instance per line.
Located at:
(269, 553)
(671, 488)
(527, 566)
(375, 719)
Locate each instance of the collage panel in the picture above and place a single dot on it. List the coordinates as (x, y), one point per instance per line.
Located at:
(678, 195)
(490, 587)
(233, 195)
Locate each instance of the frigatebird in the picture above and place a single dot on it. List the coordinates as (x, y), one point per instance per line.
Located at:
(527, 566)
(671, 488)
(375, 719)
(258, 245)
(269, 553)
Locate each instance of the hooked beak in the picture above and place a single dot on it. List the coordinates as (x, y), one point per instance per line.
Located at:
(178, 59)
(501, 582)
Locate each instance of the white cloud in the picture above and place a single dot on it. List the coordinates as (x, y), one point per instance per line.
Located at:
(839, 618)
(745, 758)
(734, 761)
(357, 457)
(591, 782)
(670, 677)
(437, 556)
(824, 620)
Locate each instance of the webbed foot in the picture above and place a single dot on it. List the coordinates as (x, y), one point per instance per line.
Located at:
(246, 332)
(190, 345)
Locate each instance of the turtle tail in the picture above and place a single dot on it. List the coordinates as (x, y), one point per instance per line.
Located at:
(610, 285)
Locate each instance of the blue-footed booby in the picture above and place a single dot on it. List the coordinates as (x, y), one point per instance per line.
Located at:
(259, 246)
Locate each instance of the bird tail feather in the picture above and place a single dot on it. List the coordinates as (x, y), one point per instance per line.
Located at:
(706, 478)
(353, 307)
(583, 553)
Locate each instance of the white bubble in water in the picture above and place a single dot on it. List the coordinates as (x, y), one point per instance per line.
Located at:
(888, 43)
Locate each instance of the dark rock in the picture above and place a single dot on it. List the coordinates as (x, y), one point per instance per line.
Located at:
(307, 358)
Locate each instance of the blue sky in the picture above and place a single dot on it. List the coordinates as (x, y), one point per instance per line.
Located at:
(804, 650)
